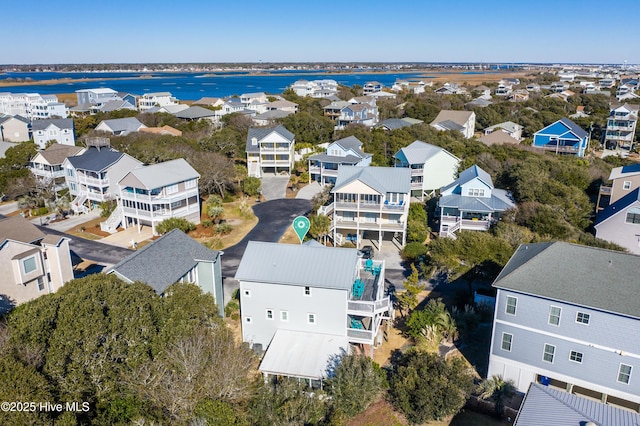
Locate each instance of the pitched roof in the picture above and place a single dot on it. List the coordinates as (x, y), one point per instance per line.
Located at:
(470, 174)
(125, 125)
(382, 179)
(509, 126)
(419, 152)
(617, 207)
(164, 130)
(194, 112)
(164, 261)
(161, 174)
(394, 123)
(498, 137)
(625, 171)
(56, 153)
(7, 117)
(457, 117)
(262, 132)
(579, 131)
(480, 102)
(299, 265)
(207, 101)
(352, 143)
(116, 104)
(95, 160)
(60, 123)
(272, 114)
(548, 406)
(281, 103)
(18, 228)
(578, 275)
(499, 201)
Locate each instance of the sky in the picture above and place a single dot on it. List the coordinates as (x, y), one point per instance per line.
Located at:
(161, 31)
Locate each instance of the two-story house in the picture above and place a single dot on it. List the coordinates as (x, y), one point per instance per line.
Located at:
(150, 100)
(431, 167)
(360, 113)
(46, 165)
(334, 109)
(471, 202)
(412, 86)
(323, 168)
(31, 262)
(97, 96)
(461, 121)
(150, 194)
(14, 128)
(619, 222)
(621, 127)
(369, 202)
(93, 176)
(566, 317)
(59, 130)
(372, 87)
(309, 292)
(316, 88)
(269, 150)
(175, 257)
(562, 137)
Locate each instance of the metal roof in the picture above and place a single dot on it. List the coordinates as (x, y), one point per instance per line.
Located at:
(382, 179)
(95, 160)
(194, 112)
(302, 354)
(584, 276)
(553, 407)
(299, 265)
(164, 261)
(499, 201)
(468, 175)
(419, 152)
(162, 174)
(577, 130)
(125, 125)
(352, 143)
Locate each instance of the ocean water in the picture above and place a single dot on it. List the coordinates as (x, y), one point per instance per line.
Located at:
(192, 86)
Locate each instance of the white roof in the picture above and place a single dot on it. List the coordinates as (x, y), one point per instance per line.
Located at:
(98, 90)
(162, 174)
(301, 354)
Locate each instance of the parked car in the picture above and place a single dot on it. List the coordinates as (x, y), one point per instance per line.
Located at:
(366, 252)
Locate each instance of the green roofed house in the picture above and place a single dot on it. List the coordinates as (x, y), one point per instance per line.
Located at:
(174, 257)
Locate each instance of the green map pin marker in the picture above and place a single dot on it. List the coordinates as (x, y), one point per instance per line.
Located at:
(301, 226)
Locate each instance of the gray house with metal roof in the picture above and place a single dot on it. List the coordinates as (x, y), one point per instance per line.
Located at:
(369, 202)
(311, 289)
(269, 150)
(323, 168)
(471, 202)
(174, 257)
(431, 167)
(566, 316)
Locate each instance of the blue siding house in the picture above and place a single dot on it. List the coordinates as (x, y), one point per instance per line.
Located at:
(564, 318)
(562, 137)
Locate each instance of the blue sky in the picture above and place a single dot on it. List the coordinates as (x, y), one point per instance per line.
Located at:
(125, 31)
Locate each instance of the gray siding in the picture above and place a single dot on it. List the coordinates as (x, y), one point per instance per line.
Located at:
(617, 230)
(328, 305)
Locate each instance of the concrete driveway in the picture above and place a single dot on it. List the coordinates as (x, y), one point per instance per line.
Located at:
(309, 191)
(274, 186)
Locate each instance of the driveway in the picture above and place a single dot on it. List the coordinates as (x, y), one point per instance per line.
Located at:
(309, 191)
(274, 187)
(274, 217)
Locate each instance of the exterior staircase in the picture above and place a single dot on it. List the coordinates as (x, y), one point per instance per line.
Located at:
(77, 205)
(113, 221)
(449, 231)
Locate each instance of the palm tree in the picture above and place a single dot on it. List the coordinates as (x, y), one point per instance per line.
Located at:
(497, 389)
(319, 226)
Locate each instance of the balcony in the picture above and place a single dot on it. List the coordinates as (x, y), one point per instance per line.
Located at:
(369, 226)
(159, 198)
(468, 224)
(161, 214)
(48, 173)
(625, 127)
(86, 180)
(367, 206)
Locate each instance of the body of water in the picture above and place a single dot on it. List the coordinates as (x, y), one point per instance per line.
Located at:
(191, 86)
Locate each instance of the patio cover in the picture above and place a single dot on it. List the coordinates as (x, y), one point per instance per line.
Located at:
(302, 354)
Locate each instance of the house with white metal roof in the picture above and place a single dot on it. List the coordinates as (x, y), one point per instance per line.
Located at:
(566, 317)
(369, 202)
(323, 168)
(269, 150)
(150, 194)
(461, 121)
(471, 202)
(303, 297)
(431, 167)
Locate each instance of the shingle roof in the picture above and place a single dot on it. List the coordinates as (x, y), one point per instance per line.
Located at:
(56, 153)
(382, 179)
(458, 117)
(299, 265)
(499, 201)
(116, 104)
(272, 114)
(498, 137)
(194, 112)
(509, 126)
(352, 143)
(164, 261)
(394, 123)
(547, 406)
(574, 128)
(585, 276)
(162, 174)
(4, 118)
(619, 206)
(480, 102)
(19, 229)
(60, 123)
(125, 125)
(624, 171)
(449, 125)
(419, 152)
(262, 132)
(95, 160)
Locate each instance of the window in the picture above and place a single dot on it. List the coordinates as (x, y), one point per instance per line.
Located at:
(624, 373)
(633, 215)
(311, 318)
(583, 318)
(549, 351)
(284, 315)
(171, 189)
(29, 265)
(506, 341)
(626, 185)
(40, 284)
(191, 183)
(554, 315)
(248, 320)
(476, 192)
(575, 356)
(307, 291)
(511, 305)
(269, 314)
(177, 204)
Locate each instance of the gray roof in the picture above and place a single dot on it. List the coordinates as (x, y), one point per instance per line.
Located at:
(116, 104)
(352, 143)
(95, 160)
(60, 123)
(262, 132)
(194, 112)
(346, 160)
(18, 228)
(382, 179)
(547, 406)
(123, 125)
(573, 127)
(470, 174)
(164, 261)
(299, 265)
(458, 117)
(498, 137)
(509, 126)
(394, 123)
(272, 114)
(448, 125)
(4, 118)
(480, 102)
(584, 276)
(419, 152)
(625, 171)
(162, 174)
(4, 146)
(618, 207)
(499, 201)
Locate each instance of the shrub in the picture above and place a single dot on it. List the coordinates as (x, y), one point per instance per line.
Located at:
(175, 223)
(207, 223)
(224, 228)
(251, 186)
(413, 252)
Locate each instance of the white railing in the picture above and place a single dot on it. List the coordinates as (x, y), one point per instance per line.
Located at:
(113, 221)
(92, 181)
(365, 308)
(360, 336)
(325, 210)
(77, 205)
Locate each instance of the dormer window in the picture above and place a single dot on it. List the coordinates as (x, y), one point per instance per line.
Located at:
(476, 192)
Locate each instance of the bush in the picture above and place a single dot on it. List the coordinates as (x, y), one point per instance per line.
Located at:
(413, 252)
(207, 223)
(251, 186)
(224, 228)
(175, 223)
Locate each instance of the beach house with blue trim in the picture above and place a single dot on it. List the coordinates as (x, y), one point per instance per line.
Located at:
(562, 137)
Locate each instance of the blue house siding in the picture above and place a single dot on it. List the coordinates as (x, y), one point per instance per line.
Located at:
(563, 136)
